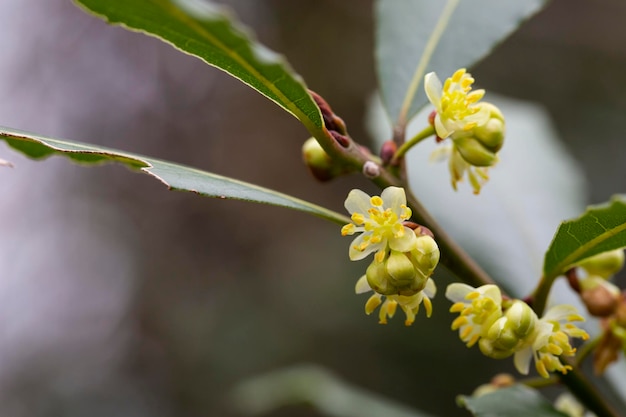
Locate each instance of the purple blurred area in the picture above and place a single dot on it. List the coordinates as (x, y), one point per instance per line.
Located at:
(118, 297)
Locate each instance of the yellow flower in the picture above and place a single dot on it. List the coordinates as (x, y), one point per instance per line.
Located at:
(380, 222)
(479, 309)
(475, 129)
(551, 340)
(409, 304)
(455, 103)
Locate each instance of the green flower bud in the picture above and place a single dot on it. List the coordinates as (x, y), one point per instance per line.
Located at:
(604, 264)
(379, 280)
(426, 254)
(521, 319)
(400, 268)
(509, 331)
(474, 152)
(488, 348)
(491, 134)
(321, 165)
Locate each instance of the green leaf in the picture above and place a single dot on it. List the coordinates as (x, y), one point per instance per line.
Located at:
(414, 37)
(515, 401)
(600, 229)
(315, 386)
(206, 31)
(175, 177)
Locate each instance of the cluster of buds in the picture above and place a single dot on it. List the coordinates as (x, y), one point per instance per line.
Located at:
(591, 279)
(504, 328)
(405, 254)
(476, 129)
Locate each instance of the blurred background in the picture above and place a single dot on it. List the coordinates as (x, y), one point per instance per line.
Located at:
(120, 298)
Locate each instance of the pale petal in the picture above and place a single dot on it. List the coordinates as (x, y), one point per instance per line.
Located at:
(406, 243)
(357, 202)
(430, 289)
(480, 117)
(440, 154)
(362, 285)
(356, 254)
(457, 292)
(522, 360)
(433, 88)
(491, 291)
(440, 128)
(393, 198)
(543, 331)
(561, 312)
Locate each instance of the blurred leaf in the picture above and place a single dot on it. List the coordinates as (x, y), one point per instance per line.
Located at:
(204, 30)
(515, 401)
(414, 37)
(315, 386)
(508, 227)
(599, 229)
(175, 177)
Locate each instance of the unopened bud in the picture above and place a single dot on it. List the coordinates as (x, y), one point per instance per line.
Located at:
(600, 301)
(378, 279)
(604, 264)
(401, 269)
(491, 133)
(318, 161)
(474, 152)
(509, 332)
(371, 169)
(488, 348)
(387, 151)
(521, 318)
(426, 254)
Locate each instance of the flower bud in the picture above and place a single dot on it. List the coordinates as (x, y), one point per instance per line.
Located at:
(474, 152)
(426, 254)
(509, 332)
(319, 162)
(491, 133)
(605, 264)
(521, 318)
(400, 268)
(600, 300)
(378, 279)
(488, 348)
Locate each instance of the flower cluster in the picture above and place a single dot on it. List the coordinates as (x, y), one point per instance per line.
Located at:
(476, 129)
(506, 328)
(404, 258)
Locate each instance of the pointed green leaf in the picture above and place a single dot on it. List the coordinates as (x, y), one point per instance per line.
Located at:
(204, 30)
(175, 177)
(516, 401)
(415, 37)
(599, 229)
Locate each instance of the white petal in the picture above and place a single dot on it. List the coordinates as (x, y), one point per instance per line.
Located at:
(356, 255)
(480, 117)
(440, 128)
(393, 198)
(543, 331)
(560, 312)
(362, 285)
(357, 202)
(430, 289)
(457, 292)
(522, 360)
(406, 243)
(491, 291)
(440, 154)
(433, 88)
